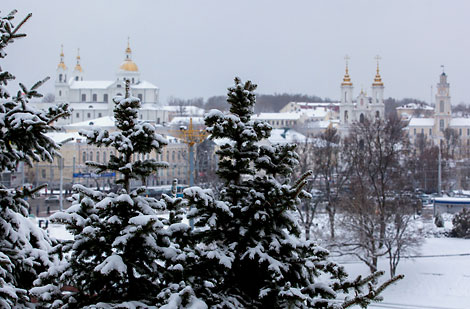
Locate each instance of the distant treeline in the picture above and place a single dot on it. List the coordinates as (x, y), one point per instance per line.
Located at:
(266, 103)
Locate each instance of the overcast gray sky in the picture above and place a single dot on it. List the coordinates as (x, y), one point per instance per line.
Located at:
(194, 48)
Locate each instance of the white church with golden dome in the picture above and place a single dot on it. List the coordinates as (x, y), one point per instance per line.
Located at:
(363, 106)
(93, 99)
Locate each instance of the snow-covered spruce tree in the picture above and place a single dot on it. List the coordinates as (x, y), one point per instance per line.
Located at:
(120, 248)
(23, 246)
(250, 253)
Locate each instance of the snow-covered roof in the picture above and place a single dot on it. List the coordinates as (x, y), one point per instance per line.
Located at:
(185, 120)
(316, 104)
(416, 106)
(276, 116)
(452, 200)
(421, 122)
(144, 85)
(62, 136)
(321, 124)
(91, 106)
(90, 84)
(106, 121)
(315, 113)
(282, 136)
(460, 122)
(150, 106)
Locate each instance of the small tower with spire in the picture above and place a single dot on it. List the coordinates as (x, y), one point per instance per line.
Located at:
(61, 85)
(378, 93)
(443, 109)
(77, 73)
(346, 106)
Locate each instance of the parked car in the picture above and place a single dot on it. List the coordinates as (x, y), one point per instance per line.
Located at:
(53, 199)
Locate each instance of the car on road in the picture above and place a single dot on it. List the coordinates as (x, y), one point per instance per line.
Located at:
(53, 199)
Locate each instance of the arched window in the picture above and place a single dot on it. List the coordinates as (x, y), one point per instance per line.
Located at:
(95, 97)
(91, 156)
(104, 156)
(60, 77)
(76, 77)
(60, 93)
(441, 106)
(84, 157)
(377, 114)
(441, 124)
(83, 97)
(346, 116)
(179, 155)
(173, 156)
(97, 156)
(345, 96)
(361, 118)
(119, 93)
(105, 98)
(132, 79)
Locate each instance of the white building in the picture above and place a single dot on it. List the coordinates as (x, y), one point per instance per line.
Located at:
(93, 99)
(433, 127)
(363, 106)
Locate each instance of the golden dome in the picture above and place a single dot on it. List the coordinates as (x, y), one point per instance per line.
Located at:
(62, 66)
(346, 78)
(378, 78)
(61, 63)
(78, 67)
(129, 65)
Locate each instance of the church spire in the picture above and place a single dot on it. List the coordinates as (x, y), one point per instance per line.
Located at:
(61, 63)
(78, 67)
(128, 50)
(346, 78)
(378, 78)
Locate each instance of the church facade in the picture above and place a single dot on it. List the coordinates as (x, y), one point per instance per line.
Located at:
(91, 99)
(362, 107)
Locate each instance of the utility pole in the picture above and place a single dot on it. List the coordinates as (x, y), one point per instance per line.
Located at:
(439, 172)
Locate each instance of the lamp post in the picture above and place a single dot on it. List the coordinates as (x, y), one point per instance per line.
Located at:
(191, 136)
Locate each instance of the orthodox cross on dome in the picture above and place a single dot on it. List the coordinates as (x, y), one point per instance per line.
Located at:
(378, 78)
(78, 67)
(442, 67)
(128, 49)
(346, 78)
(61, 63)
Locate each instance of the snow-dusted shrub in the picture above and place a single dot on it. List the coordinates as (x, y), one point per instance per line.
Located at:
(438, 220)
(461, 224)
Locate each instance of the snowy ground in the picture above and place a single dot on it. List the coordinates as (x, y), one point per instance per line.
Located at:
(438, 278)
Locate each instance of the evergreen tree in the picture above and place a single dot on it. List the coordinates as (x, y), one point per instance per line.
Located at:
(249, 250)
(122, 251)
(23, 246)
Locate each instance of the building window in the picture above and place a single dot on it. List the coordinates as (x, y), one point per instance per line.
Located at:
(97, 156)
(76, 77)
(179, 155)
(422, 131)
(441, 106)
(119, 94)
(173, 156)
(60, 77)
(414, 131)
(78, 115)
(43, 173)
(460, 131)
(105, 98)
(158, 120)
(95, 97)
(441, 124)
(83, 97)
(430, 132)
(60, 93)
(91, 156)
(104, 156)
(361, 118)
(140, 96)
(88, 115)
(132, 79)
(84, 157)
(99, 115)
(468, 132)
(377, 114)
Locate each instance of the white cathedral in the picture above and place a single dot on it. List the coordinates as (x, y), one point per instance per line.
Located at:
(363, 106)
(93, 99)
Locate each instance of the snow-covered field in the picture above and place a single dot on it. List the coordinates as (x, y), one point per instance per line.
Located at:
(438, 278)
